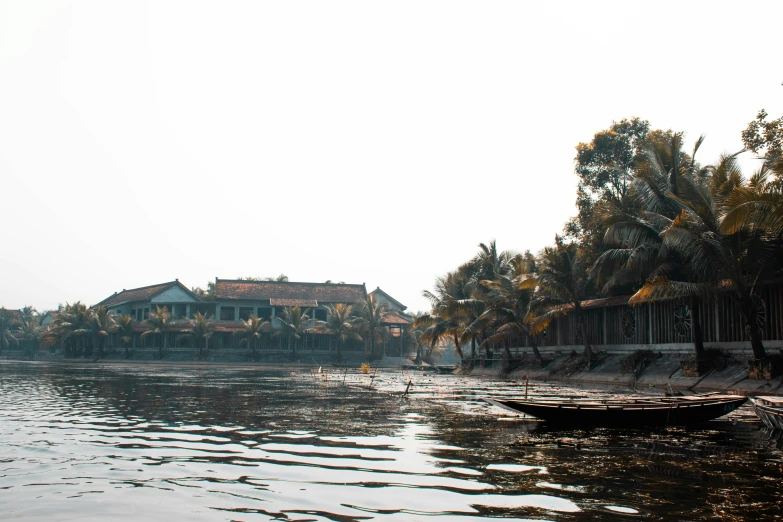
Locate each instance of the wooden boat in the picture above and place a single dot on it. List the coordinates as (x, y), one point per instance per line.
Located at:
(626, 412)
(769, 410)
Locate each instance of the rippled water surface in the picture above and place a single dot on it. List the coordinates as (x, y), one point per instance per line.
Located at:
(109, 442)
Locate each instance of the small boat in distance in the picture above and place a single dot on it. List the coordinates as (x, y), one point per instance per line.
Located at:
(769, 410)
(625, 412)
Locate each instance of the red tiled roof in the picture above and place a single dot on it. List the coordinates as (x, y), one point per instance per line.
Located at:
(394, 319)
(263, 290)
(141, 294)
(274, 301)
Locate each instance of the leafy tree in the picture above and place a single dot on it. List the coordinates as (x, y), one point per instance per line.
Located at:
(762, 136)
(606, 168)
(207, 294)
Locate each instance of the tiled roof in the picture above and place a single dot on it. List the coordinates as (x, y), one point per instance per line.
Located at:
(292, 302)
(394, 319)
(263, 290)
(140, 294)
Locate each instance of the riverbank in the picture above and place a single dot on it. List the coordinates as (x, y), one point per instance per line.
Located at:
(661, 371)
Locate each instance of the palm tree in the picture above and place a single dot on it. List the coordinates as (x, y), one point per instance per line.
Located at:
(414, 335)
(341, 323)
(510, 308)
(457, 303)
(7, 320)
(30, 329)
(201, 327)
(561, 281)
(293, 322)
(159, 323)
(736, 254)
(101, 325)
(370, 314)
(124, 328)
(252, 330)
(634, 229)
(70, 328)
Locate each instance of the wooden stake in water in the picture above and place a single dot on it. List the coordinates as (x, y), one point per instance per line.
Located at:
(373, 376)
(526, 375)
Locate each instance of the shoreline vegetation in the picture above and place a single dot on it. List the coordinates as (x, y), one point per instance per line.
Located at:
(653, 223)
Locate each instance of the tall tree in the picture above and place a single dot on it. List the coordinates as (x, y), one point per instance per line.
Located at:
(7, 321)
(252, 331)
(562, 282)
(201, 328)
(159, 323)
(605, 168)
(370, 314)
(765, 137)
(735, 256)
(293, 323)
(634, 227)
(342, 324)
(510, 307)
(101, 325)
(124, 329)
(70, 328)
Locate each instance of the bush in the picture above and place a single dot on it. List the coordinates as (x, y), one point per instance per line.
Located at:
(637, 361)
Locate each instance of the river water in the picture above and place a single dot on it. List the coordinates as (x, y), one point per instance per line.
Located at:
(121, 442)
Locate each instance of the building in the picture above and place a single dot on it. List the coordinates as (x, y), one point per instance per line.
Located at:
(233, 301)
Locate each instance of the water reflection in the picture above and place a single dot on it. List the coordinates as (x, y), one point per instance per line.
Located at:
(112, 442)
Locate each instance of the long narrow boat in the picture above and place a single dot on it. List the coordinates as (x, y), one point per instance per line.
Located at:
(769, 410)
(626, 412)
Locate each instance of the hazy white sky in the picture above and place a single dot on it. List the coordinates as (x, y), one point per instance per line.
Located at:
(363, 141)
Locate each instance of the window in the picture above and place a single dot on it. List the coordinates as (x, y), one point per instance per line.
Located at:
(319, 314)
(133, 313)
(146, 313)
(178, 310)
(227, 313)
(245, 312)
(264, 313)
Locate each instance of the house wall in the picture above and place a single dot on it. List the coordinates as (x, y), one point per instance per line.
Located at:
(175, 294)
(381, 298)
(668, 326)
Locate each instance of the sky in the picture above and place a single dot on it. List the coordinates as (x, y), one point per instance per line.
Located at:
(357, 141)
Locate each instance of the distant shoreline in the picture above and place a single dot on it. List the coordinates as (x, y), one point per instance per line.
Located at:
(664, 373)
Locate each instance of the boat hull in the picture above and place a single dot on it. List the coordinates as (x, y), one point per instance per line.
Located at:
(631, 413)
(769, 413)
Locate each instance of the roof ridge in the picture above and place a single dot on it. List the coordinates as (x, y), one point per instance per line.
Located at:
(124, 290)
(145, 287)
(218, 280)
